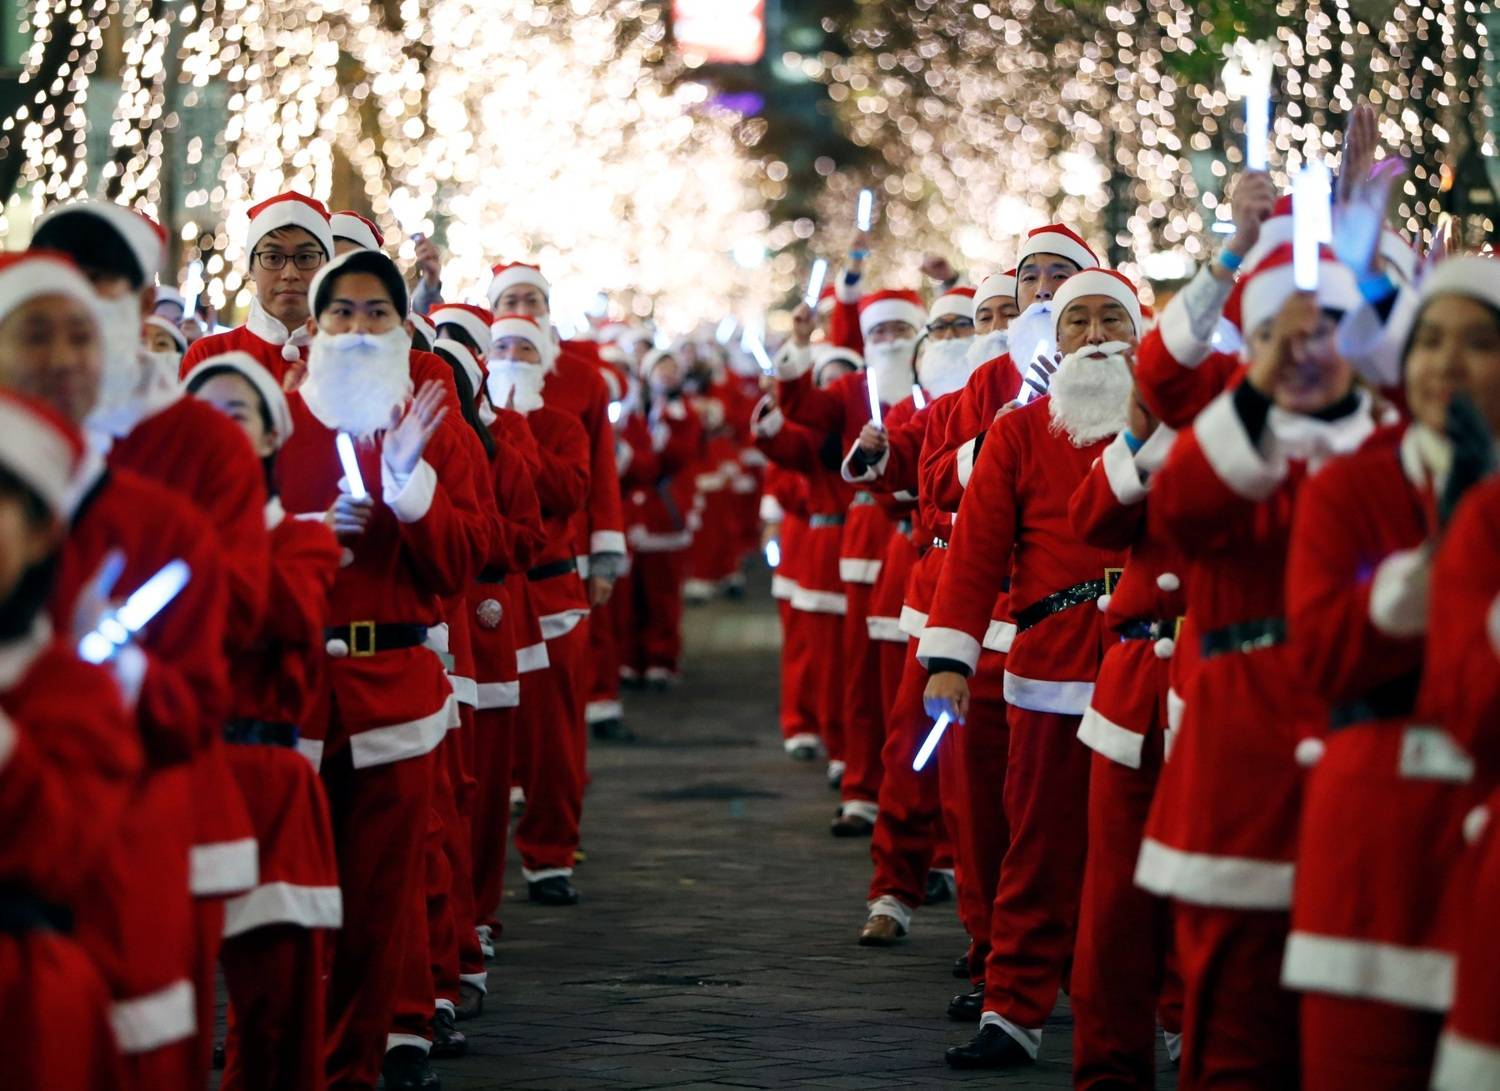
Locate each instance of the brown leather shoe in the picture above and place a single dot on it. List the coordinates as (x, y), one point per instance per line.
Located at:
(881, 931)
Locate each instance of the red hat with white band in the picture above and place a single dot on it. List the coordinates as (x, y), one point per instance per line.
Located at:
(996, 286)
(157, 322)
(143, 237)
(516, 272)
(955, 301)
(28, 274)
(350, 225)
(826, 299)
(522, 325)
(289, 209)
(1099, 282)
(891, 305)
(253, 372)
(1061, 240)
(1273, 282)
(39, 447)
(421, 327)
(459, 353)
(474, 321)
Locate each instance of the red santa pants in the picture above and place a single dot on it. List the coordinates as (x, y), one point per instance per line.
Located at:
(892, 656)
(906, 828)
(380, 818)
(274, 1039)
(821, 667)
(54, 1015)
(654, 602)
(799, 707)
(1352, 1042)
(979, 830)
(864, 719)
(551, 717)
(429, 950)
(1239, 1026)
(607, 647)
(494, 731)
(1035, 914)
(457, 847)
(208, 928)
(1120, 962)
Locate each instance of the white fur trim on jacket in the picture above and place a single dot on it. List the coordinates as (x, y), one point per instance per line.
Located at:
(497, 694)
(1103, 736)
(533, 657)
(783, 587)
(859, 569)
(606, 541)
(409, 499)
(1238, 882)
(284, 903)
(887, 629)
(940, 643)
(1464, 1064)
(396, 742)
(223, 867)
(1398, 593)
(912, 621)
(561, 623)
(1042, 695)
(1237, 461)
(1121, 472)
(999, 636)
(819, 602)
(1413, 977)
(144, 1023)
(793, 361)
(869, 473)
(965, 463)
(1188, 322)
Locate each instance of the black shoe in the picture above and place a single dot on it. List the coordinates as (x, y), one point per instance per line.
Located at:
(804, 752)
(558, 890)
(851, 825)
(613, 730)
(939, 888)
(218, 1061)
(470, 1001)
(447, 1040)
(961, 968)
(990, 1048)
(405, 1068)
(967, 1007)
(735, 592)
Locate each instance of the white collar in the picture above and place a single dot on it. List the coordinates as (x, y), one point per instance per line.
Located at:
(270, 329)
(275, 513)
(1426, 456)
(17, 655)
(1303, 438)
(155, 393)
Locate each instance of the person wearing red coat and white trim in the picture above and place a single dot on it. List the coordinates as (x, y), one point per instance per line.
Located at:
(1384, 804)
(274, 934)
(890, 321)
(69, 766)
(1221, 837)
(1015, 520)
(288, 239)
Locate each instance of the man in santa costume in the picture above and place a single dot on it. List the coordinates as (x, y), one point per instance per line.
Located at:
(287, 240)
(1015, 522)
(69, 765)
(407, 527)
(889, 323)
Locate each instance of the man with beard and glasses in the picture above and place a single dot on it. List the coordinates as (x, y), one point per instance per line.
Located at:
(407, 531)
(1221, 837)
(889, 322)
(1014, 522)
(288, 239)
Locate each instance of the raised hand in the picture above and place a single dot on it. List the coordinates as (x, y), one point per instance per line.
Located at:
(947, 691)
(429, 261)
(1250, 205)
(349, 517)
(804, 321)
(873, 440)
(938, 268)
(1360, 144)
(411, 430)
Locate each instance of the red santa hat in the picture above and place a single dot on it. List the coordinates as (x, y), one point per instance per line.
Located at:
(654, 357)
(375, 262)
(253, 372)
(1273, 282)
(516, 272)
(473, 320)
(350, 225)
(891, 305)
(521, 325)
(996, 286)
(142, 238)
(827, 298)
(460, 355)
(26, 275)
(421, 327)
(289, 209)
(1061, 240)
(42, 449)
(825, 354)
(166, 293)
(955, 301)
(157, 322)
(1471, 275)
(1105, 282)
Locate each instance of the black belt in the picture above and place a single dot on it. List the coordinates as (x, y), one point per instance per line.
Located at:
(1390, 701)
(1245, 636)
(251, 732)
(1057, 602)
(1150, 628)
(22, 911)
(369, 637)
(492, 575)
(817, 522)
(552, 568)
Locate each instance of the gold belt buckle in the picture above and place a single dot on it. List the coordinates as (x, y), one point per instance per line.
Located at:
(1112, 579)
(361, 647)
(1177, 628)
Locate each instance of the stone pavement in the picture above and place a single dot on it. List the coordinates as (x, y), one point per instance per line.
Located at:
(715, 942)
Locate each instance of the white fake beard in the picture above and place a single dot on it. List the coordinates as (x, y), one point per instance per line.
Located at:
(124, 368)
(513, 377)
(355, 381)
(1090, 393)
(945, 366)
(891, 364)
(1032, 333)
(987, 346)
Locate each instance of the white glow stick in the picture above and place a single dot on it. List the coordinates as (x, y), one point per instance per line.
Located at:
(865, 210)
(930, 743)
(815, 282)
(918, 398)
(148, 600)
(758, 350)
(1248, 76)
(345, 447)
(195, 278)
(874, 386)
(773, 553)
(614, 412)
(725, 329)
(1258, 125)
(1312, 222)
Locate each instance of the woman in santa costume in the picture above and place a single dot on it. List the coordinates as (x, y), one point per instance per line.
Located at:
(889, 323)
(1220, 840)
(407, 529)
(1015, 521)
(783, 514)
(1384, 804)
(138, 921)
(275, 934)
(69, 765)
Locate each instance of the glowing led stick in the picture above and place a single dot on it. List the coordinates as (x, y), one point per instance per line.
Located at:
(865, 209)
(149, 599)
(930, 743)
(1312, 222)
(773, 553)
(758, 349)
(195, 278)
(918, 398)
(1248, 76)
(725, 329)
(351, 466)
(614, 412)
(815, 282)
(874, 386)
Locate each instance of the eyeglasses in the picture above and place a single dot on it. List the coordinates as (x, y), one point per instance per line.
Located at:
(274, 260)
(960, 325)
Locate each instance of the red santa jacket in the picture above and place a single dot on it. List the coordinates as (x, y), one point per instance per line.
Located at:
(1177, 370)
(574, 386)
(948, 456)
(262, 336)
(784, 502)
(563, 459)
(1015, 520)
(656, 454)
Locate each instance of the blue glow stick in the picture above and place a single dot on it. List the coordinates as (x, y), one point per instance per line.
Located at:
(149, 599)
(356, 482)
(1312, 222)
(930, 743)
(865, 210)
(815, 282)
